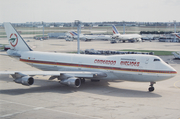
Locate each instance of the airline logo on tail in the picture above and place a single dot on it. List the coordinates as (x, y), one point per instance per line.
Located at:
(115, 31)
(16, 42)
(73, 33)
(13, 39)
(177, 35)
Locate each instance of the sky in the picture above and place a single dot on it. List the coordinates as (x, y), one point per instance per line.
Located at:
(21, 11)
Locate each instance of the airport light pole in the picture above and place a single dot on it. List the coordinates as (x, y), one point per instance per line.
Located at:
(174, 29)
(123, 27)
(43, 28)
(78, 23)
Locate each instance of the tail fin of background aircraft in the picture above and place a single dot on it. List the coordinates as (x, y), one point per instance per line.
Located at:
(177, 35)
(16, 42)
(73, 33)
(115, 31)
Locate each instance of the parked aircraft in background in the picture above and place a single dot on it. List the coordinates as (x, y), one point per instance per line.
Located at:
(125, 37)
(177, 35)
(90, 37)
(72, 69)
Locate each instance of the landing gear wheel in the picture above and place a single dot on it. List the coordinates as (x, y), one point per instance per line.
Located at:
(82, 80)
(151, 89)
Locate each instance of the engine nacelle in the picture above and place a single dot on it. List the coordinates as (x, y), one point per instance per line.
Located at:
(73, 82)
(25, 80)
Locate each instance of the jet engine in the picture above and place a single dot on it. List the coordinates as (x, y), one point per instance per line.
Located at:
(73, 82)
(25, 80)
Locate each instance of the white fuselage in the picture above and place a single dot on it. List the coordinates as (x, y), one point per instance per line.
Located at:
(127, 36)
(140, 68)
(94, 37)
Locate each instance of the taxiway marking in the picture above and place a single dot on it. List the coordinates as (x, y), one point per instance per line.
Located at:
(175, 85)
(45, 108)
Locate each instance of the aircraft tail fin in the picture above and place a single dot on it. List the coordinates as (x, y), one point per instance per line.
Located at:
(115, 31)
(73, 33)
(16, 42)
(177, 35)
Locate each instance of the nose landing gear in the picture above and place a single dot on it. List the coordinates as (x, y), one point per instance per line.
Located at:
(151, 88)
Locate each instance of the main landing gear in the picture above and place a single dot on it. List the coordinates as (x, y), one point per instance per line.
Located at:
(82, 80)
(151, 88)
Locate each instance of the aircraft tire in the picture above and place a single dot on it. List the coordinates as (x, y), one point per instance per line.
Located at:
(151, 89)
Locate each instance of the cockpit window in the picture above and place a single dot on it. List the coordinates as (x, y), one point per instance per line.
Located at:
(156, 59)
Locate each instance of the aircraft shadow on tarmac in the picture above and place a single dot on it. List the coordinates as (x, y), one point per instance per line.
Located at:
(100, 88)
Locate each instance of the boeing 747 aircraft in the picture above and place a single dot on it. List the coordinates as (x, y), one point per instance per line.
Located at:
(125, 37)
(72, 69)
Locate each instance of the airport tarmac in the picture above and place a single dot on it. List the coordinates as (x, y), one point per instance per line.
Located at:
(60, 45)
(93, 100)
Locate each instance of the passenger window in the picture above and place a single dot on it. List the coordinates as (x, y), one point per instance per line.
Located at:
(156, 59)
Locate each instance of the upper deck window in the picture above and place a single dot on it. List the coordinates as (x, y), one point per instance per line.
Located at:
(156, 59)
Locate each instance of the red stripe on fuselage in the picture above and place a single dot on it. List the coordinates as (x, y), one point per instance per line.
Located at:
(95, 66)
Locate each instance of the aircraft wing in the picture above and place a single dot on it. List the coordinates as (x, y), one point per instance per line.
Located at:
(57, 73)
(70, 78)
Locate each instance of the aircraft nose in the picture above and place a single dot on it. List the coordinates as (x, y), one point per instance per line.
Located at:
(173, 71)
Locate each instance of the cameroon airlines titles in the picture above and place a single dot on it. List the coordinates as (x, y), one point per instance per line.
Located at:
(73, 69)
